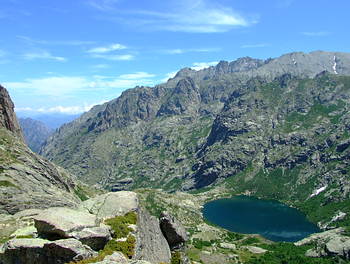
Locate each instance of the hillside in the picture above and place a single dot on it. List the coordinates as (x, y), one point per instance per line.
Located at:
(26, 179)
(169, 123)
(35, 133)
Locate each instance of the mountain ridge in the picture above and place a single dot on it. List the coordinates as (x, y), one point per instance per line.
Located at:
(187, 98)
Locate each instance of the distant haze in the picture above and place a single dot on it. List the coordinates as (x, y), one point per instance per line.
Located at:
(52, 121)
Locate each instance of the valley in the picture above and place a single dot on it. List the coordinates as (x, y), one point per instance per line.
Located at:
(275, 129)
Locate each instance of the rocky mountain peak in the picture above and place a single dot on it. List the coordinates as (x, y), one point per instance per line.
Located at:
(8, 117)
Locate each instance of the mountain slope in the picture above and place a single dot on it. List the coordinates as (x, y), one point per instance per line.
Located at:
(35, 133)
(153, 134)
(26, 179)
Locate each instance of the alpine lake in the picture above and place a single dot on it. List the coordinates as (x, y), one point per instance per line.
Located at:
(249, 215)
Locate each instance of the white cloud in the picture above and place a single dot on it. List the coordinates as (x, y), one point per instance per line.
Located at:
(169, 76)
(202, 65)
(113, 57)
(136, 75)
(30, 40)
(100, 66)
(51, 86)
(182, 51)
(72, 86)
(259, 45)
(43, 55)
(107, 49)
(200, 16)
(316, 34)
(71, 110)
(103, 5)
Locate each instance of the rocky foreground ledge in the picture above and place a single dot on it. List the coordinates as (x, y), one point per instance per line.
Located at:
(110, 228)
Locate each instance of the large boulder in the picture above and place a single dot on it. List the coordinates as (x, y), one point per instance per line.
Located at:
(111, 204)
(23, 251)
(116, 257)
(41, 251)
(173, 230)
(66, 250)
(151, 245)
(61, 222)
(328, 243)
(95, 237)
(338, 246)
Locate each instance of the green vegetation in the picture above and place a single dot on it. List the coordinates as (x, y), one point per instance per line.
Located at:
(152, 205)
(175, 257)
(4, 240)
(8, 184)
(200, 244)
(119, 224)
(318, 208)
(251, 240)
(81, 193)
(287, 253)
(307, 120)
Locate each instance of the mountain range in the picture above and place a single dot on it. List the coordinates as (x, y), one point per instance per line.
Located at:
(275, 129)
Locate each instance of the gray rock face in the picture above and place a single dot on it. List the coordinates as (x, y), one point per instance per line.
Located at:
(8, 119)
(94, 237)
(173, 230)
(255, 250)
(26, 179)
(40, 251)
(174, 118)
(66, 250)
(338, 246)
(150, 242)
(114, 258)
(111, 204)
(23, 251)
(62, 222)
(329, 243)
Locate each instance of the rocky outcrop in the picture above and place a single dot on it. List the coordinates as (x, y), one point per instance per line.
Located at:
(329, 243)
(173, 230)
(62, 222)
(26, 179)
(66, 250)
(174, 118)
(8, 119)
(151, 244)
(122, 185)
(111, 204)
(40, 251)
(94, 237)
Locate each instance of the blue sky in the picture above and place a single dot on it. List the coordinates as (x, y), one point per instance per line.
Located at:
(64, 56)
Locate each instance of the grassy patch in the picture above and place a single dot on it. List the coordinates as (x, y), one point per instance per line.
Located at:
(4, 239)
(287, 253)
(200, 244)
(175, 257)
(119, 224)
(81, 193)
(8, 184)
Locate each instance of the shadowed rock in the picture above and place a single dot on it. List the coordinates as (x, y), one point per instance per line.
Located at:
(173, 230)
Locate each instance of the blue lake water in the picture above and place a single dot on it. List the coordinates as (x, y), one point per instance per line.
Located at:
(272, 220)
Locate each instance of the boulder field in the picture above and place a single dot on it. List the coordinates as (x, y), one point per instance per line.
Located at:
(65, 235)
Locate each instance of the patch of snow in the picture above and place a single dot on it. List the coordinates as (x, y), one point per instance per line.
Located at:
(318, 191)
(294, 61)
(338, 216)
(335, 65)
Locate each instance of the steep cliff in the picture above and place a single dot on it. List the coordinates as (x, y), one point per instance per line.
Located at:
(26, 179)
